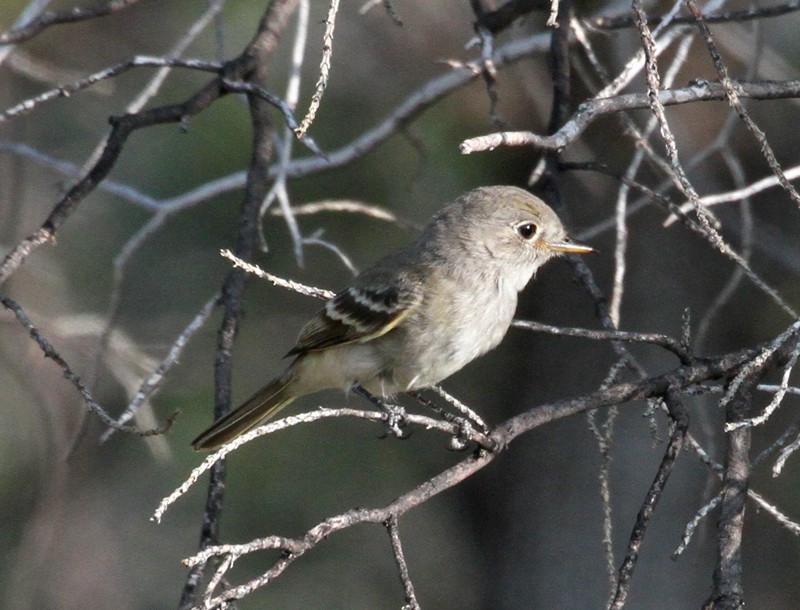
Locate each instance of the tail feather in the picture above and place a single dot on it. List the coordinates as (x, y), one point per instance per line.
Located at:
(260, 407)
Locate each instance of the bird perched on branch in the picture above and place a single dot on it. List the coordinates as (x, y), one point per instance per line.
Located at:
(421, 313)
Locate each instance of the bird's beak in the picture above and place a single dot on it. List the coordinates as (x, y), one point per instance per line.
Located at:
(567, 246)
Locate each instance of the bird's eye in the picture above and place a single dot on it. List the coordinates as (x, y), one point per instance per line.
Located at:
(527, 230)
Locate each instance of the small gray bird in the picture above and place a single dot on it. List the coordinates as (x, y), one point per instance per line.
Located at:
(421, 313)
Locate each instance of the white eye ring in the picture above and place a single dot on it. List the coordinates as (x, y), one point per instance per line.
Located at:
(527, 230)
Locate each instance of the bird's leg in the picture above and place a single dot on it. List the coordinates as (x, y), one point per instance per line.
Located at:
(396, 414)
(475, 419)
(466, 427)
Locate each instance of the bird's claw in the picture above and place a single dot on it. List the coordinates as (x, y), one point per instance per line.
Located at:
(396, 421)
(465, 434)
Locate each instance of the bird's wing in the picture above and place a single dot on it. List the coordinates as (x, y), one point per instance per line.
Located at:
(359, 313)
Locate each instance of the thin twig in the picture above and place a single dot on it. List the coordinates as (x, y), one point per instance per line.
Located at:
(777, 399)
(347, 206)
(759, 363)
(680, 419)
(157, 377)
(665, 341)
(739, 16)
(733, 98)
(682, 377)
(691, 526)
(324, 70)
(402, 566)
(726, 293)
(274, 100)
(72, 15)
(91, 404)
(591, 110)
(317, 293)
(139, 61)
(461, 407)
(279, 189)
(784, 455)
(604, 436)
(208, 463)
(739, 194)
(32, 11)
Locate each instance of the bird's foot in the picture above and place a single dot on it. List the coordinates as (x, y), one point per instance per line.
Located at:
(396, 420)
(395, 414)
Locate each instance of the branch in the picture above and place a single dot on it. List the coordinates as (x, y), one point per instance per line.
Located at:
(73, 15)
(425, 97)
(157, 377)
(587, 112)
(139, 61)
(254, 68)
(324, 70)
(294, 548)
(309, 291)
(665, 341)
(626, 20)
(53, 354)
(728, 591)
(680, 419)
(415, 104)
(739, 194)
(278, 103)
(670, 383)
(735, 101)
(402, 567)
(379, 416)
(121, 128)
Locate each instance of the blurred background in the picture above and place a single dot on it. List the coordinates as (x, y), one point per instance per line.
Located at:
(527, 531)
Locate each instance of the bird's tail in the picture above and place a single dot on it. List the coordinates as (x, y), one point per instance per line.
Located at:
(260, 407)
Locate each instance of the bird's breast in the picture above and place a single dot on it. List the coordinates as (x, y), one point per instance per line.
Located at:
(454, 325)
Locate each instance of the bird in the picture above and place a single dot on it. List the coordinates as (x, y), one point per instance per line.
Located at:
(421, 313)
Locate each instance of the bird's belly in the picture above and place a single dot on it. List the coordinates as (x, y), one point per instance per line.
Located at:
(442, 349)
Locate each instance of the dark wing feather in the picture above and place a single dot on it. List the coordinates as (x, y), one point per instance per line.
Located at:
(358, 313)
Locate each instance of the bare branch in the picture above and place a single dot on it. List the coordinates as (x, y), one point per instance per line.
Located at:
(674, 381)
(140, 61)
(728, 592)
(733, 97)
(415, 104)
(664, 341)
(399, 556)
(680, 418)
(347, 206)
(739, 194)
(278, 103)
(75, 14)
(208, 463)
(755, 13)
(121, 128)
(295, 548)
(51, 353)
(157, 377)
(252, 66)
(589, 111)
(777, 399)
(324, 69)
(317, 293)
